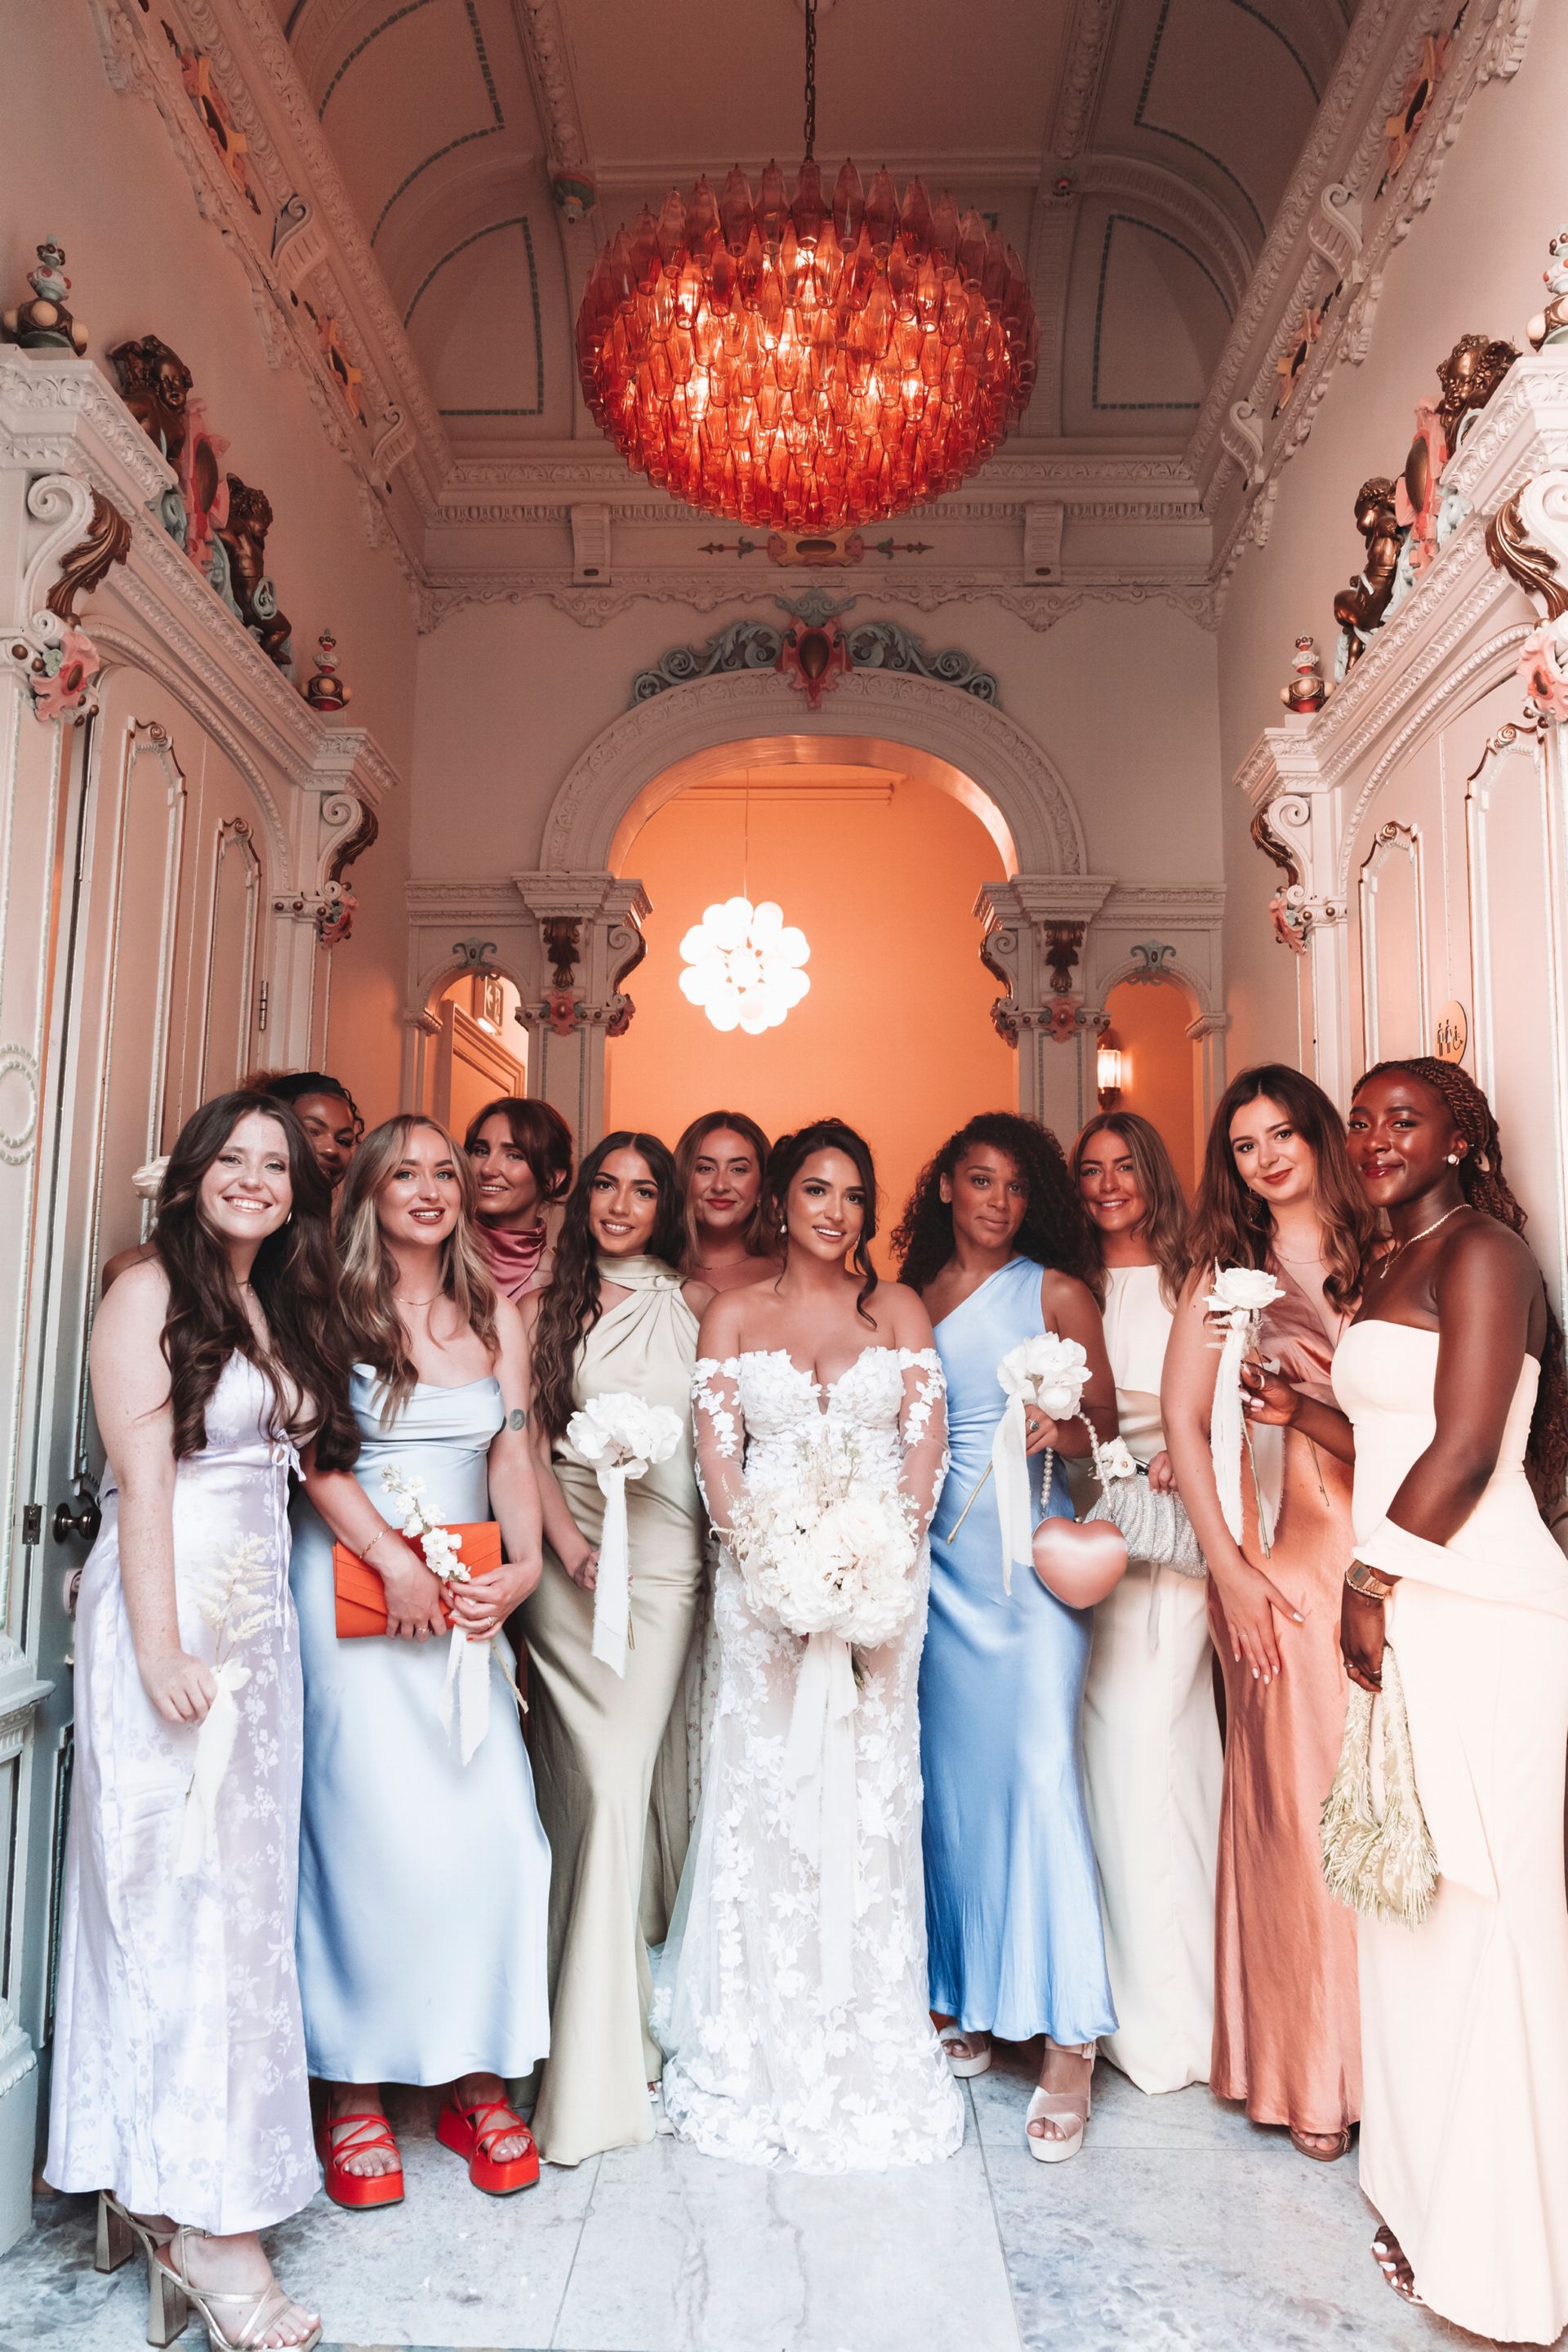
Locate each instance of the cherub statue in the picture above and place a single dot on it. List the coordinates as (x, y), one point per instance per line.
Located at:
(243, 536)
(1468, 377)
(155, 385)
(1550, 324)
(1359, 608)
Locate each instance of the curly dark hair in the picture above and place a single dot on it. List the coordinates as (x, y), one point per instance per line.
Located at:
(1055, 1232)
(294, 1279)
(1485, 1187)
(571, 1306)
(785, 1160)
(293, 1085)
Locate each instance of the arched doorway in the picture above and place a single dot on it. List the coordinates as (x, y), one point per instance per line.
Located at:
(881, 869)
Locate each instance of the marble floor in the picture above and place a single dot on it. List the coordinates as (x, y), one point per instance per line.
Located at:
(1179, 2228)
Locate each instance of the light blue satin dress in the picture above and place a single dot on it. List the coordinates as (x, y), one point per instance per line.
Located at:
(1012, 1896)
(424, 1882)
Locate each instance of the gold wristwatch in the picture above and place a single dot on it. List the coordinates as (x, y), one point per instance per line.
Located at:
(1367, 1582)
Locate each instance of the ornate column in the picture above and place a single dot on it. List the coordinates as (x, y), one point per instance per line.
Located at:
(1207, 1033)
(1035, 927)
(1298, 821)
(590, 937)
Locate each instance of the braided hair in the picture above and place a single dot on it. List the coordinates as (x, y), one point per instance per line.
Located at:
(1486, 1188)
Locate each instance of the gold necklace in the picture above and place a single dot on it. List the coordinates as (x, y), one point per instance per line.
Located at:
(402, 1301)
(1388, 1257)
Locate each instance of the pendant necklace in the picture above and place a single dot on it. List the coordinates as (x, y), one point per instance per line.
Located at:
(1387, 1260)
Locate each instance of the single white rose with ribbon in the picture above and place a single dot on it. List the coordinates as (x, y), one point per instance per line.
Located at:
(1235, 1305)
(619, 1436)
(1049, 1372)
(236, 1599)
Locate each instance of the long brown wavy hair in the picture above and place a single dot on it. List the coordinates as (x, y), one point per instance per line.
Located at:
(569, 1309)
(785, 1160)
(1164, 1227)
(689, 1150)
(1485, 1187)
(369, 1278)
(1233, 1225)
(1055, 1232)
(294, 1279)
(540, 1133)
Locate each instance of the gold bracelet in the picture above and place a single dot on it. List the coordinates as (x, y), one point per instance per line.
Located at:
(375, 1540)
(1367, 1582)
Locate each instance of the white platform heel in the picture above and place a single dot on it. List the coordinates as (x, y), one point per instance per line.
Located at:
(1061, 2107)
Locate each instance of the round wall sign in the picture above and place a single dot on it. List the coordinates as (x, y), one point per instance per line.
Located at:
(1453, 1033)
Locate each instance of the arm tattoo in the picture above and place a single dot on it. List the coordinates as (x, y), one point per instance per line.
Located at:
(517, 1418)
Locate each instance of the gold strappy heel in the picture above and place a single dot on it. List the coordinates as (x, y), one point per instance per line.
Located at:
(235, 2323)
(120, 2231)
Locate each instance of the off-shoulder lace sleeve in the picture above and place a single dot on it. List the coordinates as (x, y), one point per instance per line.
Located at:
(720, 1434)
(922, 1426)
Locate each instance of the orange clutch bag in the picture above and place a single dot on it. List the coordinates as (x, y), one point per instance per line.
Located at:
(360, 1594)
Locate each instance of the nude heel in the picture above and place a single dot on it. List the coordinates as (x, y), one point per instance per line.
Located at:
(117, 2240)
(1061, 2107)
(168, 2307)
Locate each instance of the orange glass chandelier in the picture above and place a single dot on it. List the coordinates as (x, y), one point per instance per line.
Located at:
(805, 362)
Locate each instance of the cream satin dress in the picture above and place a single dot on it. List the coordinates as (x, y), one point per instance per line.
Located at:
(603, 1746)
(1152, 1754)
(1464, 2136)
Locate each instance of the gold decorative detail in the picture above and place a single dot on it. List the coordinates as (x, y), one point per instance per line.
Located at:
(1534, 570)
(1452, 1033)
(83, 567)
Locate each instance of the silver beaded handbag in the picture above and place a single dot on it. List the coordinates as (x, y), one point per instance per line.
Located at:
(1384, 1866)
(1156, 1527)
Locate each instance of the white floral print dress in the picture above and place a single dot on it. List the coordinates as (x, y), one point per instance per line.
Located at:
(179, 2058)
(762, 2068)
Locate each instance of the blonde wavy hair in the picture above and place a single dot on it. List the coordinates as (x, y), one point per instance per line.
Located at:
(369, 1280)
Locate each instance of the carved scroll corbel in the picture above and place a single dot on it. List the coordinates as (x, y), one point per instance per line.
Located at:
(1538, 513)
(56, 659)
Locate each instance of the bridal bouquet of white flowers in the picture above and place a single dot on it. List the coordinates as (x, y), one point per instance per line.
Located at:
(830, 1558)
(1235, 1306)
(831, 1554)
(236, 1599)
(619, 1436)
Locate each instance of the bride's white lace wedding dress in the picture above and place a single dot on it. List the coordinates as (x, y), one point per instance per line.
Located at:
(763, 2067)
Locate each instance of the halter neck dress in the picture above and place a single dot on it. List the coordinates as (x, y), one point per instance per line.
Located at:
(601, 1742)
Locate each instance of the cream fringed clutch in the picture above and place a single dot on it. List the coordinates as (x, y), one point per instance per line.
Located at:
(1385, 1869)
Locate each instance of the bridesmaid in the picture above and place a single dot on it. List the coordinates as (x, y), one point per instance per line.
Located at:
(1276, 1194)
(328, 1113)
(520, 1153)
(424, 1881)
(179, 2059)
(720, 1161)
(1453, 1376)
(618, 1318)
(994, 1241)
(1151, 1731)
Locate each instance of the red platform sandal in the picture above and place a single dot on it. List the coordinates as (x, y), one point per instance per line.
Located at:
(471, 2131)
(360, 2134)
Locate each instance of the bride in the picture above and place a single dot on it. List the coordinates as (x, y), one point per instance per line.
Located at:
(782, 2049)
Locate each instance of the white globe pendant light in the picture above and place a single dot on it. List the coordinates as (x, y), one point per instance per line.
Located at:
(744, 965)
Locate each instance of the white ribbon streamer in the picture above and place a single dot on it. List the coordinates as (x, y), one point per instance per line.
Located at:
(613, 1588)
(214, 1746)
(1014, 1503)
(1225, 1420)
(468, 1680)
(819, 1764)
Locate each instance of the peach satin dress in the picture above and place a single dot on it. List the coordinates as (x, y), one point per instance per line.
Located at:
(1287, 2037)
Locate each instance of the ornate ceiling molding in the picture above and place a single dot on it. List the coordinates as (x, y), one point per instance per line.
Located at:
(1084, 50)
(1333, 228)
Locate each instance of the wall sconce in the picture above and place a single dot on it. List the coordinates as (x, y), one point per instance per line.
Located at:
(1113, 1069)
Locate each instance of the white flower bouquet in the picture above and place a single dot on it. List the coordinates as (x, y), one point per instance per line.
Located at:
(1235, 1306)
(832, 1554)
(236, 1600)
(468, 1678)
(830, 1558)
(1049, 1372)
(619, 1436)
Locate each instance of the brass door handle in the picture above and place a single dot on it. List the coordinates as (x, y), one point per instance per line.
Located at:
(84, 1523)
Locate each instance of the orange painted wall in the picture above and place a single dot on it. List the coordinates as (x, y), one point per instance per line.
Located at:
(1149, 1019)
(895, 1034)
